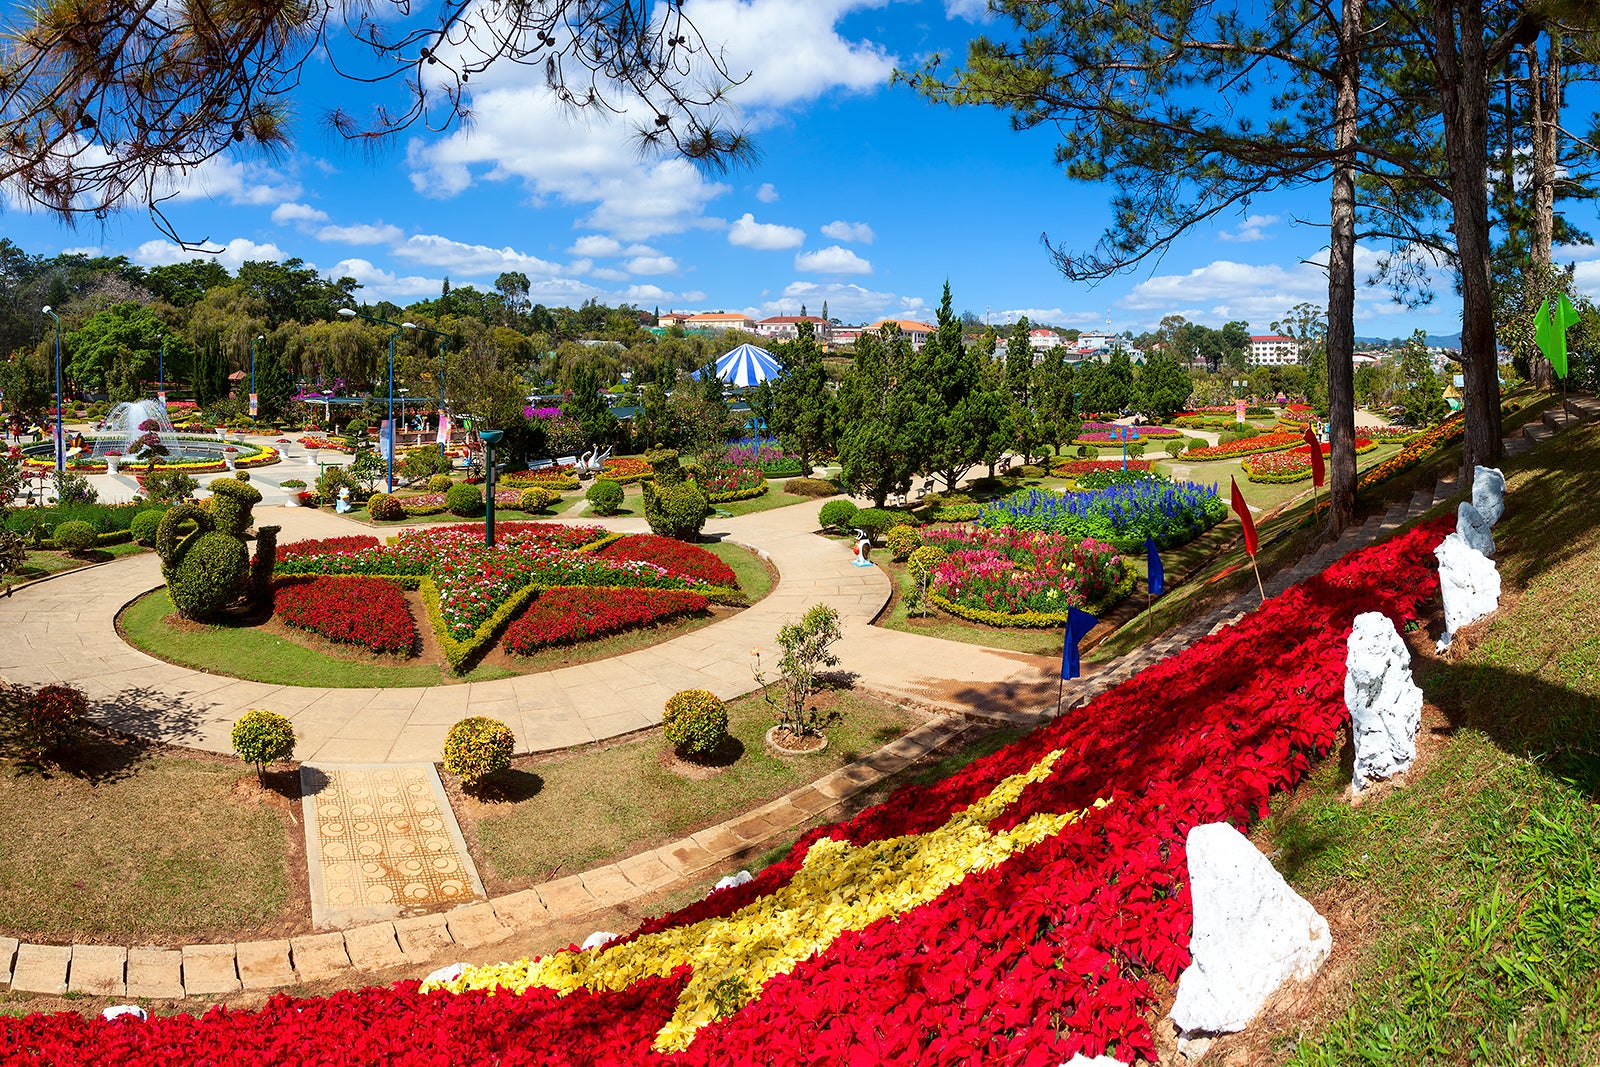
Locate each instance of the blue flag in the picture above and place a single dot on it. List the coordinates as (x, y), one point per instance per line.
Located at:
(1079, 623)
(1158, 575)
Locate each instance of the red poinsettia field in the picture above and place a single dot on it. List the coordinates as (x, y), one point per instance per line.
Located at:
(1023, 963)
(675, 556)
(370, 612)
(565, 616)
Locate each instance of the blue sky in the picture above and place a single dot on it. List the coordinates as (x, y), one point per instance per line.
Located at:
(864, 196)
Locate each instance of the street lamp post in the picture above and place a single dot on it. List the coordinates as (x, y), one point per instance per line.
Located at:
(490, 439)
(352, 313)
(61, 458)
(253, 340)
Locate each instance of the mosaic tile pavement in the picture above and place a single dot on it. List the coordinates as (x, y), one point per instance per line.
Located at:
(382, 842)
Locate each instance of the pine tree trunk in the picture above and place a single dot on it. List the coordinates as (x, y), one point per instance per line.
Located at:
(1462, 64)
(1342, 279)
(1544, 94)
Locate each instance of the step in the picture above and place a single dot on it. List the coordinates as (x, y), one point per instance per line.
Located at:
(1444, 489)
(1559, 420)
(1537, 433)
(1421, 501)
(1518, 446)
(1585, 407)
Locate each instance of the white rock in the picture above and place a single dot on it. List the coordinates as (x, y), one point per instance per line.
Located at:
(1080, 1060)
(732, 880)
(1489, 492)
(119, 1011)
(1385, 704)
(1474, 529)
(1468, 582)
(1251, 934)
(597, 939)
(446, 974)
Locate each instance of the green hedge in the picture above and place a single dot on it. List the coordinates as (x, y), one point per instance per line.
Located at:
(738, 494)
(115, 537)
(1036, 620)
(459, 653)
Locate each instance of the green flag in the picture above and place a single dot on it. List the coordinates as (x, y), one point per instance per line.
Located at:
(1551, 332)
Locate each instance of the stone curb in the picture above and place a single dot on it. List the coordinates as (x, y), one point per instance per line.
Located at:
(146, 972)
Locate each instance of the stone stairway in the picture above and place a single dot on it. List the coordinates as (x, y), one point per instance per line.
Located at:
(1577, 410)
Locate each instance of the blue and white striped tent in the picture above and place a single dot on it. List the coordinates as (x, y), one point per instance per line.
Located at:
(747, 366)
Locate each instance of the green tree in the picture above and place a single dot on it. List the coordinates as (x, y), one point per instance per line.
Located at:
(1163, 387)
(958, 405)
(1421, 393)
(1027, 428)
(587, 406)
(803, 406)
(184, 284)
(27, 381)
(882, 415)
(653, 423)
(128, 335)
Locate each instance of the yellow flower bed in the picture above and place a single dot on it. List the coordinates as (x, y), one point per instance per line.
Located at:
(839, 887)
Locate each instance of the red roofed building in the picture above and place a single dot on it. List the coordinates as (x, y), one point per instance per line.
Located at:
(1274, 350)
(787, 327)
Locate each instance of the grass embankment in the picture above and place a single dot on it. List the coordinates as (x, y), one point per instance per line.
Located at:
(1479, 882)
(278, 655)
(557, 815)
(131, 842)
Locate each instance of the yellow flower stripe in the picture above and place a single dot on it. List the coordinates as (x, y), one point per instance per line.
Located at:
(839, 887)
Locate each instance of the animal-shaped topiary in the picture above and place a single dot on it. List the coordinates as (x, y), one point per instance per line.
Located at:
(208, 568)
(673, 506)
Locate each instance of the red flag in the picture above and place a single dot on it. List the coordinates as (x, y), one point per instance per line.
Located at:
(1242, 509)
(1318, 471)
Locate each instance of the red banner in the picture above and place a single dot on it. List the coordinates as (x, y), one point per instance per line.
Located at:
(1242, 509)
(1319, 470)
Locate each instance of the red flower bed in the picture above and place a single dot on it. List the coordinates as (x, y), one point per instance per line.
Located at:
(343, 546)
(370, 612)
(675, 556)
(1265, 442)
(1024, 963)
(566, 616)
(1073, 467)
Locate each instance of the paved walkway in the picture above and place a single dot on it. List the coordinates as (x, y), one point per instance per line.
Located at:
(63, 630)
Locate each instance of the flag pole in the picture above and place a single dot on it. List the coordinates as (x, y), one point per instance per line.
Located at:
(1061, 684)
(1259, 587)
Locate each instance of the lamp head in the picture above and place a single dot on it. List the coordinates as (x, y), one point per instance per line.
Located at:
(348, 313)
(408, 325)
(491, 436)
(47, 309)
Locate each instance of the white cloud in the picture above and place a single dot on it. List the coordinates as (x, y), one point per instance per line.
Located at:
(471, 260)
(362, 234)
(610, 274)
(641, 250)
(846, 301)
(835, 259)
(291, 212)
(595, 244)
(1253, 228)
(767, 194)
(652, 265)
(746, 232)
(1050, 317)
(855, 232)
(220, 178)
(971, 10)
(231, 255)
(637, 293)
(379, 284)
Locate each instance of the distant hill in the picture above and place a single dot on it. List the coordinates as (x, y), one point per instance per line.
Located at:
(1436, 340)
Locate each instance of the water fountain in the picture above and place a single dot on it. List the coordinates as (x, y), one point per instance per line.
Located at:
(126, 424)
(125, 433)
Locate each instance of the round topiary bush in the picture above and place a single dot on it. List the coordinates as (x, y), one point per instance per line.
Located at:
(902, 541)
(674, 507)
(605, 497)
(144, 526)
(385, 507)
(440, 483)
(1087, 452)
(535, 498)
(812, 487)
(75, 536)
(838, 515)
(1032, 470)
(695, 721)
(923, 561)
(464, 500)
(877, 520)
(477, 747)
(262, 737)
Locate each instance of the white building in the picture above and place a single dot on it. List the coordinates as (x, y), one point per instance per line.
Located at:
(1043, 340)
(787, 327)
(1274, 350)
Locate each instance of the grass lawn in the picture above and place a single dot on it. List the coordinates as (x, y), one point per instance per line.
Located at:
(133, 843)
(1479, 882)
(557, 815)
(774, 497)
(41, 563)
(248, 651)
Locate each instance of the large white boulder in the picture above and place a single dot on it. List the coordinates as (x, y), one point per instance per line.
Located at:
(1474, 529)
(1385, 704)
(1468, 582)
(1252, 933)
(1489, 492)
(1080, 1060)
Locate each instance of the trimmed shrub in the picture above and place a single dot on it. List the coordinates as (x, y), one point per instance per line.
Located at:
(924, 560)
(1030, 470)
(695, 722)
(330, 481)
(535, 498)
(440, 483)
(423, 463)
(385, 507)
(813, 487)
(605, 497)
(1087, 452)
(211, 575)
(293, 483)
(145, 524)
(838, 515)
(1136, 450)
(674, 507)
(464, 500)
(51, 718)
(902, 541)
(262, 737)
(476, 748)
(957, 513)
(876, 520)
(75, 537)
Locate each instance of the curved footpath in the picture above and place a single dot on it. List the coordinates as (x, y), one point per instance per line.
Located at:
(63, 630)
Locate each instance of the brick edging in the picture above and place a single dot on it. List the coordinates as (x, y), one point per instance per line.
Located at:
(213, 970)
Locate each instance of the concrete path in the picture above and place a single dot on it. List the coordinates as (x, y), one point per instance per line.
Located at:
(63, 630)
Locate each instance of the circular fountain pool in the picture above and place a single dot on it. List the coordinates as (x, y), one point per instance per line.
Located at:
(136, 434)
